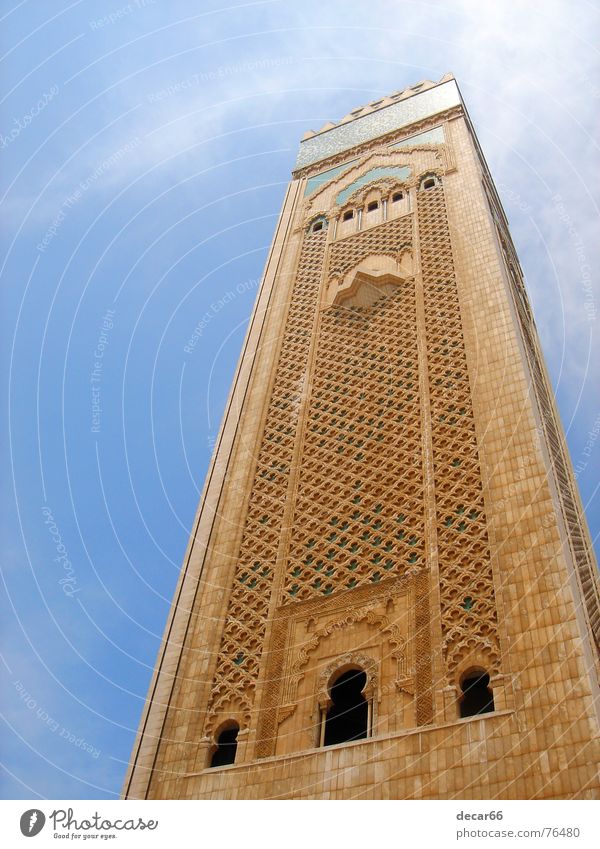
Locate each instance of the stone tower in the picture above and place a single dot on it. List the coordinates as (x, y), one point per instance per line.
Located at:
(389, 591)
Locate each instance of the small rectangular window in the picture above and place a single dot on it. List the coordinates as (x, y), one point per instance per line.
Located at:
(373, 206)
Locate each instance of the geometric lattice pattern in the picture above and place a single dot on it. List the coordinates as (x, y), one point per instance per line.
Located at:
(468, 609)
(245, 626)
(388, 239)
(359, 508)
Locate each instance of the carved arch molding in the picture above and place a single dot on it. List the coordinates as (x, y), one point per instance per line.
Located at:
(288, 670)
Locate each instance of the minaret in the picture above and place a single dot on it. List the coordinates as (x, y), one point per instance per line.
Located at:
(389, 590)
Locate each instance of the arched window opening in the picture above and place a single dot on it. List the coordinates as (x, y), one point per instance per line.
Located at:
(348, 215)
(224, 754)
(348, 717)
(429, 182)
(397, 196)
(373, 206)
(477, 696)
(318, 224)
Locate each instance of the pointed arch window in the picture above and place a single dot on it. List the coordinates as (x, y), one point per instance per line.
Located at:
(226, 745)
(348, 717)
(477, 696)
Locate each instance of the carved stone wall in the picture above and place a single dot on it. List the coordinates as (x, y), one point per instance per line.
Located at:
(319, 636)
(468, 608)
(245, 626)
(387, 239)
(358, 515)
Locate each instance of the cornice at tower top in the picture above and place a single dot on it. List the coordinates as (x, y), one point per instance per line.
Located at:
(377, 118)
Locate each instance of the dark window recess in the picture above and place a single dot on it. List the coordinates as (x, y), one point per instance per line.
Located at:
(349, 215)
(477, 696)
(347, 718)
(318, 226)
(373, 206)
(397, 196)
(224, 754)
(429, 184)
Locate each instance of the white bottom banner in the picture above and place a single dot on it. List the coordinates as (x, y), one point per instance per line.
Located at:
(290, 824)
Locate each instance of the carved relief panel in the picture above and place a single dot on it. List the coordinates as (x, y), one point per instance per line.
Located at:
(319, 640)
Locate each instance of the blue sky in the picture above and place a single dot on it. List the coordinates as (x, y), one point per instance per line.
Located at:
(145, 150)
